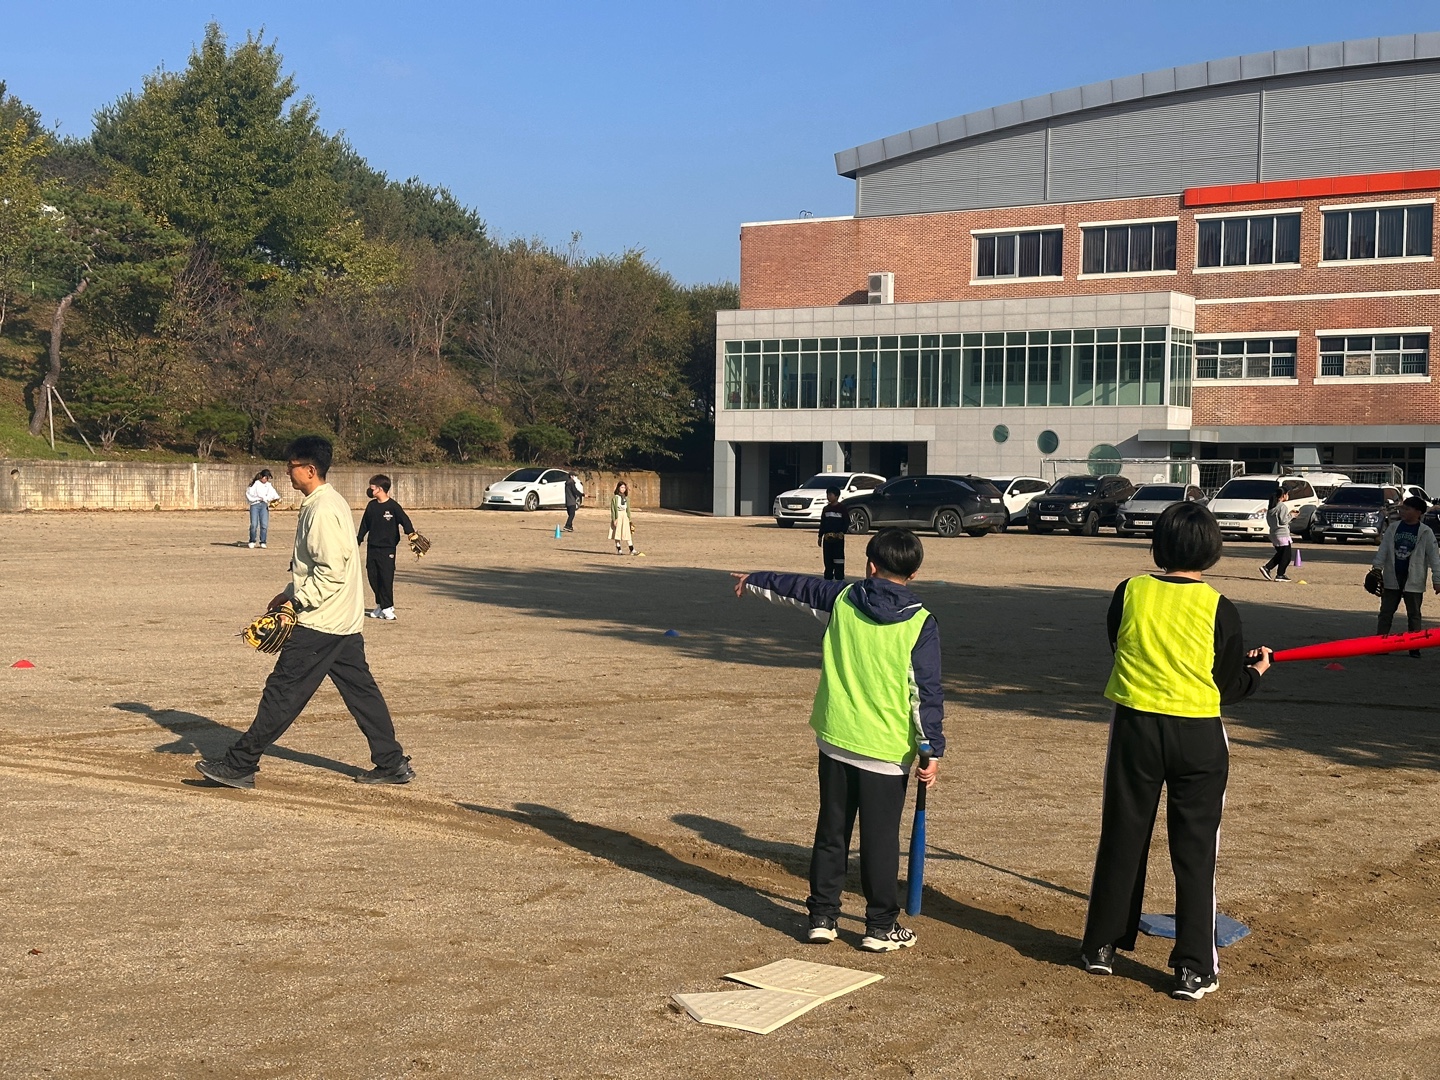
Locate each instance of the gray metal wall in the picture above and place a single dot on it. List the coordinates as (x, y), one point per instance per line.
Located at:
(1328, 124)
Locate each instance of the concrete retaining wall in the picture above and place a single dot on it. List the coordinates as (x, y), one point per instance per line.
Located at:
(140, 485)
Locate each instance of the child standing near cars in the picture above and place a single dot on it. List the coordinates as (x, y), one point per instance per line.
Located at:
(1278, 519)
(879, 698)
(832, 536)
(382, 521)
(1179, 657)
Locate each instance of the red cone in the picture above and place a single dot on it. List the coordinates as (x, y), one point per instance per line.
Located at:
(22, 663)
(1334, 667)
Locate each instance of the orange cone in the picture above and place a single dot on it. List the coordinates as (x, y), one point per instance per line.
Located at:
(22, 663)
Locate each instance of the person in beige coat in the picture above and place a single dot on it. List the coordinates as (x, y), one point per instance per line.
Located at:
(622, 527)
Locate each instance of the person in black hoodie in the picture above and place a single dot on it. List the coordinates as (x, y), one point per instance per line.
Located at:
(832, 536)
(879, 702)
(382, 521)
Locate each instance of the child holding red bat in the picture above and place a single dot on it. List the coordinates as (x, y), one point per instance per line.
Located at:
(1179, 657)
(879, 689)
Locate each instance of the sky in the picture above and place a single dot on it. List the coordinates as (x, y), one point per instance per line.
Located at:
(659, 126)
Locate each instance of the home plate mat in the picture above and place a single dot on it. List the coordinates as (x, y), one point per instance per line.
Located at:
(1227, 930)
(786, 989)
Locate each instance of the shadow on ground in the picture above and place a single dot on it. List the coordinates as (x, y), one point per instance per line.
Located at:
(196, 734)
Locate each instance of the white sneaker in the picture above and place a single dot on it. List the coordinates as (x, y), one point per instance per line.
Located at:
(252, 543)
(262, 543)
(388, 614)
(897, 937)
(373, 613)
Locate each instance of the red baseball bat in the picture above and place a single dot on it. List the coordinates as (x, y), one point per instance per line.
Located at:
(1362, 646)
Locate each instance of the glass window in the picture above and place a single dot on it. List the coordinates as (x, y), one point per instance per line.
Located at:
(1084, 373)
(849, 376)
(1038, 375)
(1107, 373)
(1153, 378)
(1129, 374)
(734, 365)
(789, 375)
(1249, 241)
(1380, 354)
(1015, 375)
(1250, 358)
(1092, 252)
(1036, 253)
(1128, 249)
(994, 370)
(1207, 252)
(752, 380)
(885, 397)
(930, 372)
(1060, 375)
(809, 375)
(829, 379)
(950, 375)
(909, 376)
(1388, 232)
(1117, 250)
(869, 375)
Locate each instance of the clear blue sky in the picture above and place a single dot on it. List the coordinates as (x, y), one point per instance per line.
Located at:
(662, 124)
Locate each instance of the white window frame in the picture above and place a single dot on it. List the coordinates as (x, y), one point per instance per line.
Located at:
(1243, 335)
(1389, 260)
(1082, 276)
(1014, 230)
(1372, 331)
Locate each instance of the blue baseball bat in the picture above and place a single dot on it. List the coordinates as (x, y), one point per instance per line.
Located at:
(915, 875)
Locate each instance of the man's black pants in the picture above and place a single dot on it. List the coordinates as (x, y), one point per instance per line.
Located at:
(1191, 759)
(301, 667)
(380, 569)
(570, 509)
(880, 800)
(832, 550)
(1390, 601)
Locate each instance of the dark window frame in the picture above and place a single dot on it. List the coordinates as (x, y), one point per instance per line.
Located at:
(1002, 256)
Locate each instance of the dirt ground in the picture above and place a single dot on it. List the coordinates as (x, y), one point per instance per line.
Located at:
(605, 816)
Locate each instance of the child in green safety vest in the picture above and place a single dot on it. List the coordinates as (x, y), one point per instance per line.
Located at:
(1179, 657)
(878, 701)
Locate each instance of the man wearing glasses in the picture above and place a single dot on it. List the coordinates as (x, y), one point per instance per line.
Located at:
(326, 594)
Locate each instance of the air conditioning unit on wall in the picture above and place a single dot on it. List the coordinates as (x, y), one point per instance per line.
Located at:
(882, 288)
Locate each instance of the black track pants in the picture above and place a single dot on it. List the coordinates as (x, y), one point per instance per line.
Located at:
(1390, 602)
(879, 800)
(1191, 759)
(300, 668)
(380, 569)
(1280, 561)
(833, 552)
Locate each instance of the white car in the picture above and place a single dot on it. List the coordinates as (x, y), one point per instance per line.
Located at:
(527, 489)
(1016, 492)
(803, 504)
(1137, 514)
(1241, 504)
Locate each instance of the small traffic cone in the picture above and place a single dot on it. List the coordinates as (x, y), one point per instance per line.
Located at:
(557, 532)
(22, 664)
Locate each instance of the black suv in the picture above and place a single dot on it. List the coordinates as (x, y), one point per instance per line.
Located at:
(1079, 503)
(948, 504)
(1363, 511)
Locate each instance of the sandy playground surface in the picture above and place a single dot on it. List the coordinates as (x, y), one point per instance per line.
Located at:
(606, 815)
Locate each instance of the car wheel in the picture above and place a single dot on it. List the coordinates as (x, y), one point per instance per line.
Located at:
(1319, 538)
(1032, 527)
(784, 524)
(947, 523)
(1092, 524)
(532, 501)
(1005, 525)
(858, 522)
(979, 532)
(1376, 541)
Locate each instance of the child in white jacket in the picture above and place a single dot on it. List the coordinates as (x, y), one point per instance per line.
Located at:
(1407, 553)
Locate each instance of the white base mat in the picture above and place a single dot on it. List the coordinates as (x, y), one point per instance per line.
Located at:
(787, 989)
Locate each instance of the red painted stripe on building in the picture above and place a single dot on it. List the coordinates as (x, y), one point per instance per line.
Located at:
(1274, 190)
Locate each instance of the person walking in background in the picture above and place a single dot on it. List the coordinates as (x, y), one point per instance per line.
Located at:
(382, 521)
(832, 536)
(574, 496)
(1406, 554)
(1278, 518)
(622, 528)
(260, 495)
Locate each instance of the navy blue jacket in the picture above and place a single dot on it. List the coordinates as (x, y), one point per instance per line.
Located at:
(885, 602)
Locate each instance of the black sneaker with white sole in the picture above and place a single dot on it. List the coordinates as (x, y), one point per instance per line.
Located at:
(229, 775)
(822, 930)
(1192, 986)
(897, 937)
(400, 774)
(1101, 962)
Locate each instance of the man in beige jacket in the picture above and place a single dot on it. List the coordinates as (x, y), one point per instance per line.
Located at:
(326, 593)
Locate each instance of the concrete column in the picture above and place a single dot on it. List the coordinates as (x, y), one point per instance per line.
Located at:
(1307, 455)
(724, 496)
(832, 457)
(1432, 471)
(754, 479)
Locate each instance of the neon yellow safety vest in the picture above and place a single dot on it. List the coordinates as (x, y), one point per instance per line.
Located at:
(868, 701)
(1165, 651)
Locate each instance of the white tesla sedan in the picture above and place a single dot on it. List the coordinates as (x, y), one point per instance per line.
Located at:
(803, 504)
(527, 489)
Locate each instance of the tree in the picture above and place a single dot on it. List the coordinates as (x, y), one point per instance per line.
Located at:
(215, 424)
(22, 146)
(534, 441)
(470, 433)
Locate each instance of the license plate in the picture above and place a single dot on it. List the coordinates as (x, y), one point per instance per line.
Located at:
(1048, 517)
(793, 505)
(1341, 525)
(497, 498)
(1139, 521)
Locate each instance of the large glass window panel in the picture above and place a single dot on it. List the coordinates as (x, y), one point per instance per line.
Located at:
(1390, 239)
(1257, 359)
(1142, 247)
(1005, 256)
(1419, 230)
(1282, 359)
(1332, 356)
(950, 378)
(1129, 393)
(1415, 360)
(1038, 378)
(889, 370)
(1107, 374)
(1165, 245)
(789, 375)
(734, 367)
(809, 380)
(1059, 374)
(1262, 240)
(829, 380)
(909, 378)
(1207, 359)
(929, 378)
(973, 374)
(1362, 234)
(1232, 360)
(1180, 360)
(985, 256)
(1084, 374)
(1287, 238)
(1235, 242)
(849, 379)
(1335, 241)
(1051, 253)
(1117, 249)
(1092, 252)
(994, 373)
(869, 377)
(1029, 260)
(1208, 247)
(1015, 375)
(752, 381)
(1153, 378)
(770, 376)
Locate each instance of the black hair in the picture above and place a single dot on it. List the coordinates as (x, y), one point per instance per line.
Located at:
(263, 474)
(897, 552)
(381, 481)
(1275, 496)
(312, 450)
(1415, 503)
(832, 491)
(1187, 537)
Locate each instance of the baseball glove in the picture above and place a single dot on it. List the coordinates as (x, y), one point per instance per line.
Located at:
(270, 631)
(418, 544)
(1374, 582)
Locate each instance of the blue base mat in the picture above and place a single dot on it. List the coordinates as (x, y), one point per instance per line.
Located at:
(1227, 930)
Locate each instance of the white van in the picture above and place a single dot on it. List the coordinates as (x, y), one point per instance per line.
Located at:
(1240, 505)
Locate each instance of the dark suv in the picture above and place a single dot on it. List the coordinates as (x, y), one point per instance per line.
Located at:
(1363, 511)
(1079, 503)
(948, 504)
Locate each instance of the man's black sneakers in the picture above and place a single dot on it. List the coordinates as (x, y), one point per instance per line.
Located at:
(1102, 963)
(400, 774)
(1192, 986)
(229, 775)
(822, 930)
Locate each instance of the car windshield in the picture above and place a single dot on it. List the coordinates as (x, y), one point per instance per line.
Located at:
(524, 476)
(827, 480)
(1258, 490)
(1159, 493)
(1351, 495)
(987, 488)
(1076, 485)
